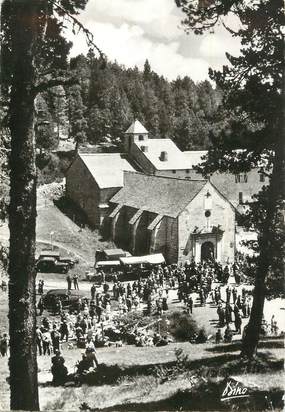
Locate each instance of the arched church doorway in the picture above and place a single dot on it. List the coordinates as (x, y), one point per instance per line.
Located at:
(207, 251)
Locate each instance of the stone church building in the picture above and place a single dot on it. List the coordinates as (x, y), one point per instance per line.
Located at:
(152, 200)
(179, 218)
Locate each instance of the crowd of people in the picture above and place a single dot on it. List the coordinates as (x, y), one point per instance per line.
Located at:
(86, 323)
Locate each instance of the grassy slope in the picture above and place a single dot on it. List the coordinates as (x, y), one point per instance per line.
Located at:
(82, 242)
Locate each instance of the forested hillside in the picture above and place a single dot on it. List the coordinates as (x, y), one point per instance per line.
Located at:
(108, 99)
(102, 106)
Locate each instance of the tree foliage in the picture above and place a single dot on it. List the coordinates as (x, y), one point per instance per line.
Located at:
(114, 96)
(253, 97)
(33, 59)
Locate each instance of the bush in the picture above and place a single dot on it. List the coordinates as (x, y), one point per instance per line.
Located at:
(182, 327)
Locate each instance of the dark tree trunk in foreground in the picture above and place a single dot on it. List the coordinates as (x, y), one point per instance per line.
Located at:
(251, 338)
(276, 195)
(22, 213)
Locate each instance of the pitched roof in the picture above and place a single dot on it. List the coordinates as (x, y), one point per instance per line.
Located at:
(162, 195)
(136, 128)
(175, 158)
(107, 169)
(194, 157)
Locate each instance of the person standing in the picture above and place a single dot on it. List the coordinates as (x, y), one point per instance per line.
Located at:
(64, 330)
(238, 322)
(190, 305)
(39, 340)
(93, 291)
(234, 292)
(55, 338)
(228, 313)
(41, 306)
(75, 281)
(46, 342)
(228, 294)
(68, 279)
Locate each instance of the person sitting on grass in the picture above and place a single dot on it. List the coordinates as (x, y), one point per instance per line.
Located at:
(228, 336)
(202, 337)
(58, 369)
(218, 336)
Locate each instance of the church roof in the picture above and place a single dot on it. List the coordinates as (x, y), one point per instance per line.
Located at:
(175, 158)
(194, 157)
(162, 195)
(107, 169)
(136, 128)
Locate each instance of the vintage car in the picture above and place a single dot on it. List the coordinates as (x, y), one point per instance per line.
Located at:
(68, 260)
(135, 267)
(68, 298)
(104, 271)
(51, 264)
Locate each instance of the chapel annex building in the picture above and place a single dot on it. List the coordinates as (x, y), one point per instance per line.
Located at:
(150, 199)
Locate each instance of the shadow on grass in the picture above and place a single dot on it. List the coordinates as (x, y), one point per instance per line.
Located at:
(268, 343)
(223, 365)
(195, 400)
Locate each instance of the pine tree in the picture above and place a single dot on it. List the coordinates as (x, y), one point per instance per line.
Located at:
(259, 123)
(147, 71)
(77, 121)
(33, 57)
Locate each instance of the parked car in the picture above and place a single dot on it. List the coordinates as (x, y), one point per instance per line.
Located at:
(51, 264)
(104, 271)
(68, 260)
(135, 267)
(48, 253)
(68, 299)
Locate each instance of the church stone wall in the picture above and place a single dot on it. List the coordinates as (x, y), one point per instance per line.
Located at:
(194, 216)
(165, 239)
(82, 189)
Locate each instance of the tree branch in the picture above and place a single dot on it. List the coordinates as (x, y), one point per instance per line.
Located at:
(60, 81)
(76, 23)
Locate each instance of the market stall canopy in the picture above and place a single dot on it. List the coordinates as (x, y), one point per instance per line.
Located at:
(107, 263)
(154, 259)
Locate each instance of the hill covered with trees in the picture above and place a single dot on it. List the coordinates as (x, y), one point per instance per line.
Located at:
(109, 97)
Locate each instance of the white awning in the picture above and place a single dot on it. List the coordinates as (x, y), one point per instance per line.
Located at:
(154, 259)
(105, 263)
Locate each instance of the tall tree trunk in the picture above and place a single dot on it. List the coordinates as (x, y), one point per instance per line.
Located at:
(22, 212)
(275, 195)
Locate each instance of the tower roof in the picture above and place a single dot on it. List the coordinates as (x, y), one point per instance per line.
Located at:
(136, 128)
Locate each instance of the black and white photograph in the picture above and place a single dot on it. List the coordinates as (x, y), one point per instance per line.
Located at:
(142, 205)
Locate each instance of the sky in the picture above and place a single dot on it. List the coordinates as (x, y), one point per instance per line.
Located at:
(131, 31)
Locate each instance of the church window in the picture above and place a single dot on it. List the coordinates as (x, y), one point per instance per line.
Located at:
(187, 171)
(173, 171)
(240, 198)
(141, 137)
(261, 177)
(241, 178)
(237, 178)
